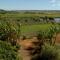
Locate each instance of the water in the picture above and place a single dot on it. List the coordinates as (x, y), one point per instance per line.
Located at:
(57, 20)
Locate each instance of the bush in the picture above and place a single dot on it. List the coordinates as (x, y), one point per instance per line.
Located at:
(48, 53)
(7, 52)
(9, 31)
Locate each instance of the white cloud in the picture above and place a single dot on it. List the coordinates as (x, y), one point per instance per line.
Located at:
(55, 3)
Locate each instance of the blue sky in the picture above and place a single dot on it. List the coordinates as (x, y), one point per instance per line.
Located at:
(30, 4)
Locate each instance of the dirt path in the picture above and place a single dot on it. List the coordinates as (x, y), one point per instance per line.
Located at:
(27, 43)
(26, 48)
(58, 38)
(24, 54)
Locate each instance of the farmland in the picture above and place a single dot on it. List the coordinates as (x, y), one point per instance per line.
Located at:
(39, 26)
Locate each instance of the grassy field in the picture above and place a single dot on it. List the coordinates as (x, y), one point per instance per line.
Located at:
(32, 28)
(35, 28)
(16, 15)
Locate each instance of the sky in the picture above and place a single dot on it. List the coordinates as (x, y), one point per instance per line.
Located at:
(30, 4)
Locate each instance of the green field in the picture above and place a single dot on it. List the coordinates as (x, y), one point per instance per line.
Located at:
(48, 14)
(34, 28)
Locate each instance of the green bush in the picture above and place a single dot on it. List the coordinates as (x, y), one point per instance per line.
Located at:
(9, 31)
(48, 53)
(7, 52)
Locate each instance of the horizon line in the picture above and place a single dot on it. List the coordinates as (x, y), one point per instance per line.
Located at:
(31, 9)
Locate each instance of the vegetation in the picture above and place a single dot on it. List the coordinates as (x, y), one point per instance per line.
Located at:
(7, 52)
(14, 25)
(48, 53)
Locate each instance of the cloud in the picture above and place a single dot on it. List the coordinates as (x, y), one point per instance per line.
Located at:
(55, 3)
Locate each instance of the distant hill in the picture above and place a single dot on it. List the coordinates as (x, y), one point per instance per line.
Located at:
(54, 11)
(36, 11)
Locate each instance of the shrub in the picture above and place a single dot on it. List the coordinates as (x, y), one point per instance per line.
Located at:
(9, 31)
(7, 52)
(48, 53)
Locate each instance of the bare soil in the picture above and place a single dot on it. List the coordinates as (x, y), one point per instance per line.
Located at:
(58, 38)
(27, 43)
